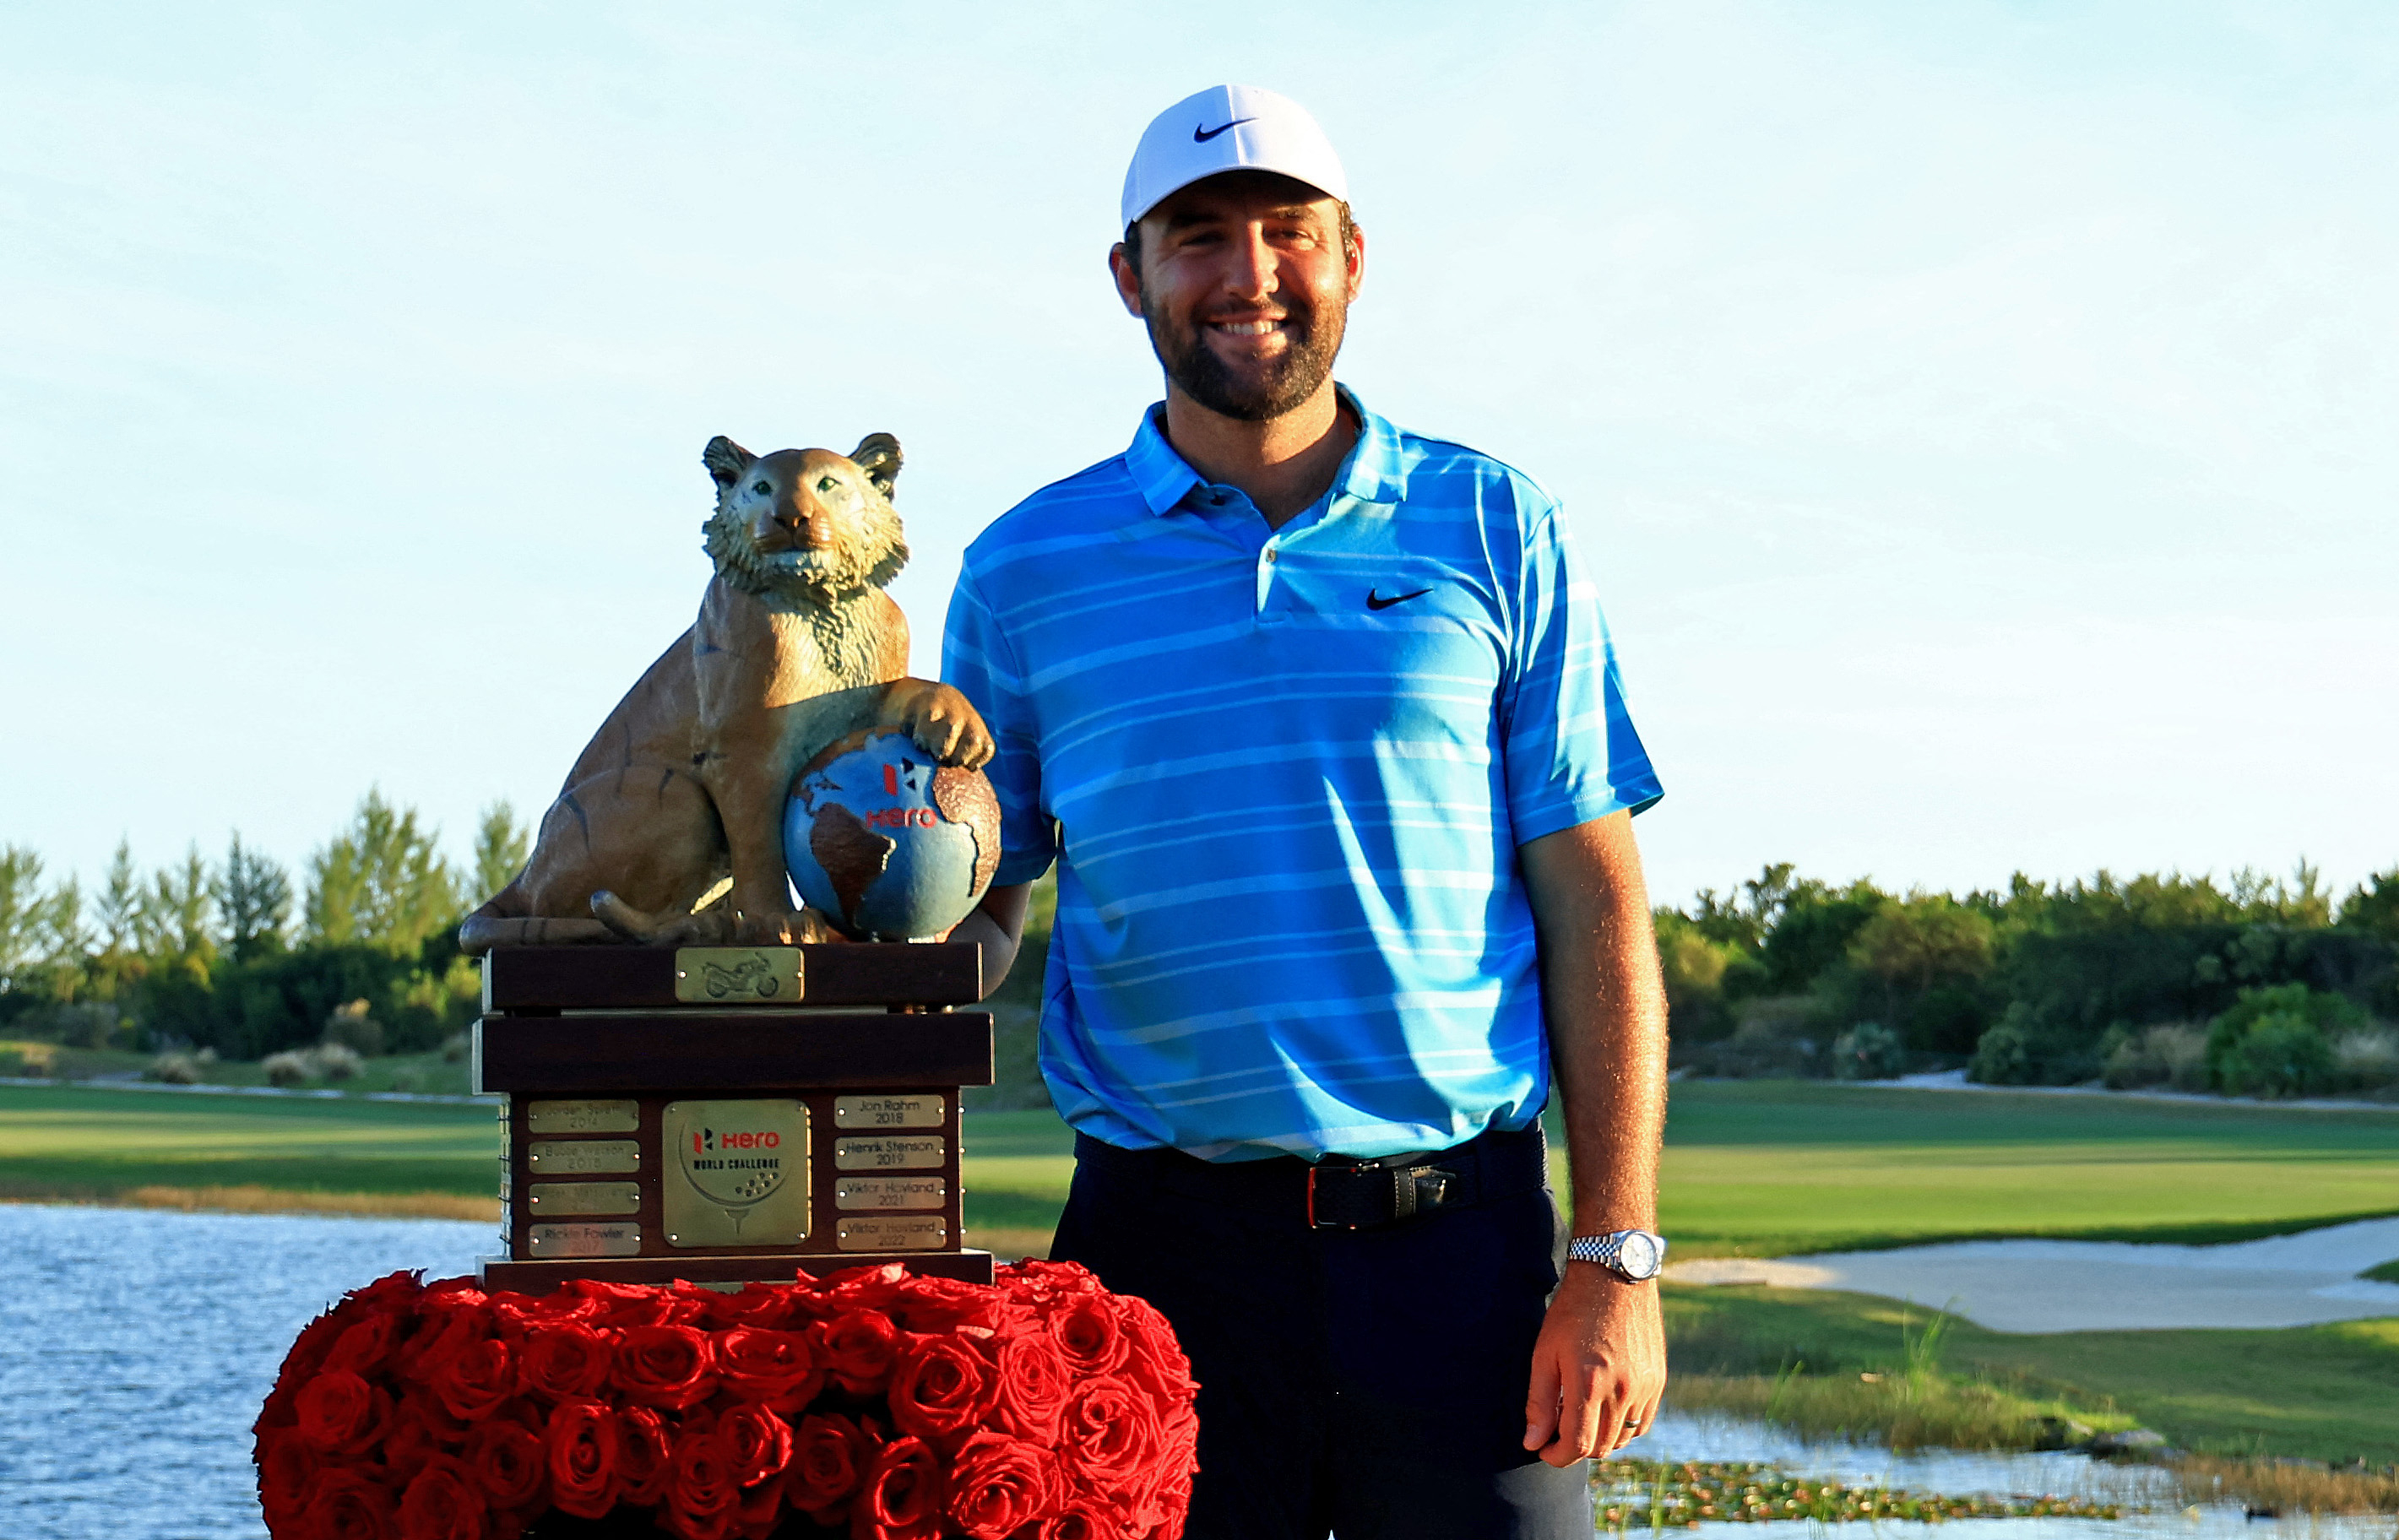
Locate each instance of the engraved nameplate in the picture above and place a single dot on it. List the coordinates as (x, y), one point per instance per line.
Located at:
(621, 1240)
(894, 1151)
(582, 1117)
(549, 1200)
(927, 1232)
(583, 1156)
(887, 1112)
(733, 976)
(890, 1192)
(737, 1172)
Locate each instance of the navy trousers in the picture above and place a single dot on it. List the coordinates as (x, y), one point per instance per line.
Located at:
(1365, 1383)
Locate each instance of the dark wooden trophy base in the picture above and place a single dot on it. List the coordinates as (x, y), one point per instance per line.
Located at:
(730, 1115)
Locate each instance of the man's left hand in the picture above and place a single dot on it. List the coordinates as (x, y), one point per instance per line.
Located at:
(1599, 1367)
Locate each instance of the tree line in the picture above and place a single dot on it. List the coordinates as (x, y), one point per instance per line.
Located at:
(230, 955)
(2262, 984)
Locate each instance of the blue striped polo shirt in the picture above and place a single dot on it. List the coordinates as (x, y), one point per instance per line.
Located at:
(1284, 775)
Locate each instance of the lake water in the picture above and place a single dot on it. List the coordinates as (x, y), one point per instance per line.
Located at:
(135, 1348)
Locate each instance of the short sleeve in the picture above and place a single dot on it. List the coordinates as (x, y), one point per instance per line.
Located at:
(1570, 749)
(977, 659)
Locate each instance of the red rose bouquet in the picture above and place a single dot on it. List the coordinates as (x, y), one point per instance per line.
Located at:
(872, 1403)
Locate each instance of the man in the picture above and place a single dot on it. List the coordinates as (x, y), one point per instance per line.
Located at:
(1318, 721)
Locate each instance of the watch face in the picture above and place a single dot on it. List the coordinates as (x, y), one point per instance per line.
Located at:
(1637, 1253)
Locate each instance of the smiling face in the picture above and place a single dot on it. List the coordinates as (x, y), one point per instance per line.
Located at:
(1245, 280)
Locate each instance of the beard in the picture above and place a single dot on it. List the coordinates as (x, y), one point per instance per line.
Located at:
(1265, 391)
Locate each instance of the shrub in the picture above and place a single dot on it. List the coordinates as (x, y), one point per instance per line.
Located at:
(175, 1069)
(336, 1062)
(350, 1027)
(2283, 1054)
(2366, 1059)
(2278, 1041)
(288, 1068)
(1768, 1044)
(2174, 1053)
(1868, 1051)
(453, 1048)
(2003, 1056)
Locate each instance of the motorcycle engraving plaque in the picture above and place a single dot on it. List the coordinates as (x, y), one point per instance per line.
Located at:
(720, 976)
(737, 1172)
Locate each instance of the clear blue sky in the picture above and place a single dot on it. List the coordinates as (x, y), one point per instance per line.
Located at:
(1981, 418)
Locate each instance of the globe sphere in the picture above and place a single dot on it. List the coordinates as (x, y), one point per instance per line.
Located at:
(886, 842)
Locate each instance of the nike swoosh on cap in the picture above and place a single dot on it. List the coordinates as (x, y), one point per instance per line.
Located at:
(1201, 136)
(1375, 600)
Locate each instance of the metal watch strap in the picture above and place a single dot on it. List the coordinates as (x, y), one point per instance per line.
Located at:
(1607, 1252)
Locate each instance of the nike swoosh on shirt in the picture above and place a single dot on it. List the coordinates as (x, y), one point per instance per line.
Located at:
(1201, 136)
(1375, 600)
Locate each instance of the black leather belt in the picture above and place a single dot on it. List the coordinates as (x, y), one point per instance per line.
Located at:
(1339, 1192)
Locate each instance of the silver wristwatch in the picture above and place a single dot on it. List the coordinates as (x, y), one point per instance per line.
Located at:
(1635, 1256)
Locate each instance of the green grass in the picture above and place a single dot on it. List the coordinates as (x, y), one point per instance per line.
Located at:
(1768, 1168)
(89, 1142)
(2316, 1392)
(2383, 1272)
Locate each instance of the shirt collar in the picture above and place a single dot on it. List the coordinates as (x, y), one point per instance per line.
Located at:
(1372, 472)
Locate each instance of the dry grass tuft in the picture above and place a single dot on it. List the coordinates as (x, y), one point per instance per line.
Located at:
(2275, 1486)
(274, 1200)
(1904, 1412)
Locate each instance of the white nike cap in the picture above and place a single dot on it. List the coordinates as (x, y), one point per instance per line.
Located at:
(1228, 129)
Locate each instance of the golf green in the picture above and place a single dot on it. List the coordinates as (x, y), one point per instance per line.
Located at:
(1757, 1168)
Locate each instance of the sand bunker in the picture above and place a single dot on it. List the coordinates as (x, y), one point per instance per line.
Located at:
(2097, 1286)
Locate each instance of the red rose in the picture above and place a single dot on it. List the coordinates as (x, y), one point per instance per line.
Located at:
(760, 1512)
(781, 1369)
(1090, 1334)
(562, 1358)
(941, 1386)
(344, 1505)
(998, 1485)
(828, 1453)
(340, 1413)
(409, 1447)
(472, 1373)
(508, 1461)
(758, 1442)
(393, 1291)
(645, 1453)
(701, 1491)
(364, 1348)
(583, 1458)
(308, 1353)
(1112, 1432)
(901, 1496)
(441, 1503)
(421, 1409)
(768, 1306)
(858, 1346)
(1082, 1521)
(1037, 1279)
(1034, 1385)
(1156, 1361)
(285, 1465)
(941, 1304)
(665, 1366)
